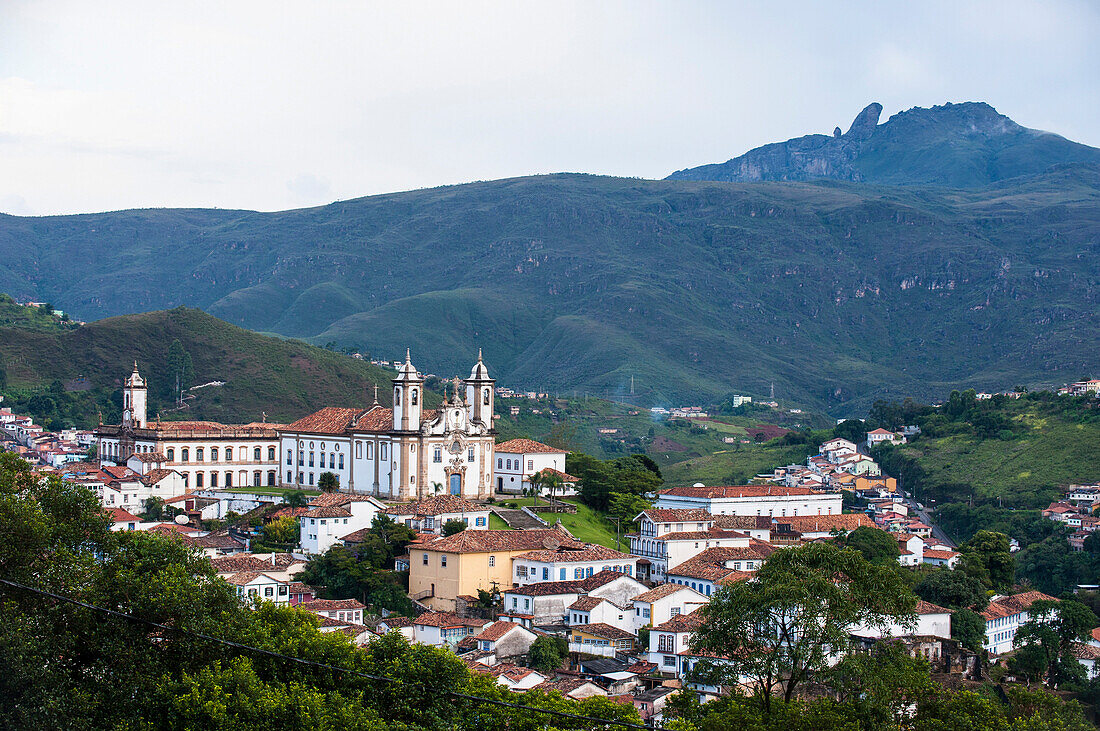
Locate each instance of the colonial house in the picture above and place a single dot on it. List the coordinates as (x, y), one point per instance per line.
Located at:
(600, 639)
(713, 566)
(772, 500)
(430, 514)
(205, 453)
(941, 557)
(664, 602)
(459, 565)
(344, 610)
(910, 549)
(502, 640)
(670, 641)
(811, 527)
(932, 620)
(445, 629)
(255, 585)
(1003, 617)
(405, 452)
(518, 459)
(548, 602)
(334, 515)
(878, 436)
(597, 610)
(569, 561)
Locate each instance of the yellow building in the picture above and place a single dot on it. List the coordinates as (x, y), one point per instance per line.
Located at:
(882, 482)
(461, 564)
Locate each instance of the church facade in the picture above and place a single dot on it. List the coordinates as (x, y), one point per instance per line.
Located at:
(405, 452)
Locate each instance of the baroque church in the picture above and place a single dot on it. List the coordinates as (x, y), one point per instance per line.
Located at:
(402, 453)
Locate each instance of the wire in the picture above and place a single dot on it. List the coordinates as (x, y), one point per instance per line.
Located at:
(312, 663)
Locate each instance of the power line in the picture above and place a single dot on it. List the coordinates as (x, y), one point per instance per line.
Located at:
(312, 663)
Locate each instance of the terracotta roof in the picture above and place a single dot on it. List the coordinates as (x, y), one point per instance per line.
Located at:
(353, 631)
(328, 499)
(183, 530)
(297, 587)
(329, 420)
(398, 621)
(244, 577)
(599, 629)
(881, 431)
(701, 535)
(1095, 634)
(661, 591)
(120, 472)
(436, 505)
(743, 522)
(572, 586)
(287, 510)
(1083, 651)
(565, 686)
(736, 491)
(677, 515)
(734, 577)
(240, 562)
(924, 607)
(681, 623)
(1006, 606)
(709, 565)
(564, 477)
(527, 446)
(326, 605)
(826, 523)
(327, 512)
(937, 553)
(481, 541)
(447, 619)
(119, 515)
(148, 457)
(152, 477)
(496, 630)
(586, 603)
(219, 539)
(591, 552)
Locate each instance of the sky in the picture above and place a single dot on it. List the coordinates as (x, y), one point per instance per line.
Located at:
(271, 105)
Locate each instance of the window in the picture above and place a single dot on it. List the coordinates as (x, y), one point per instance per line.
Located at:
(397, 397)
(437, 455)
(470, 454)
(341, 460)
(500, 463)
(530, 464)
(359, 450)
(383, 451)
(545, 574)
(256, 478)
(228, 479)
(443, 561)
(492, 561)
(271, 454)
(171, 454)
(214, 454)
(289, 458)
(290, 477)
(674, 611)
(301, 457)
(269, 591)
(198, 454)
(413, 393)
(256, 452)
(425, 559)
(213, 479)
(311, 460)
(588, 572)
(301, 478)
(521, 571)
(485, 397)
(480, 522)
(331, 461)
(645, 613)
(578, 573)
(311, 478)
(670, 661)
(198, 479)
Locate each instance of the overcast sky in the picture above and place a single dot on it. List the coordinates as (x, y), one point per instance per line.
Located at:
(269, 105)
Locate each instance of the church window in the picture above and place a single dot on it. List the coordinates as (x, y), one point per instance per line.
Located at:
(470, 454)
(413, 393)
(213, 479)
(397, 397)
(341, 461)
(171, 454)
(271, 454)
(437, 455)
(256, 454)
(359, 450)
(184, 456)
(198, 454)
(213, 454)
(198, 479)
(485, 398)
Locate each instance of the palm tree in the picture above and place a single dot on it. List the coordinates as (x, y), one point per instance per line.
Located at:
(553, 482)
(537, 484)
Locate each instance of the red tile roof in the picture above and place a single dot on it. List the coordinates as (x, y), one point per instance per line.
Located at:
(327, 605)
(586, 603)
(496, 630)
(119, 515)
(240, 562)
(481, 541)
(591, 552)
(447, 619)
(148, 457)
(327, 512)
(827, 523)
(1006, 606)
(527, 446)
(329, 420)
(328, 499)
(572, 586)
(677, 515)
(661, 591)
(924, 607)
(599, 629)
(709, 565)
(736, 491)
(681, 623)
(743, 522)
(436, 505)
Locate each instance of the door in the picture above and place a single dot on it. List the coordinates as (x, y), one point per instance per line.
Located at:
(456, 484)
(500, 484)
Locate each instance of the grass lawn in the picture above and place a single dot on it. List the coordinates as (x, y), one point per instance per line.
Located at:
(586, 525)
(497, 523)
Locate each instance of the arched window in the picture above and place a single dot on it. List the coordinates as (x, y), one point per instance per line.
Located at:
(171, 454)
(198, 454)
(332, 460)
(359, 450)
(184, 456)
(383, 451)
(500, 463)
(256, 452)
(485, 398)
(271, 454)
(213, 454)
(198, 479)
(256, 478)
(341, 460)
(370, 450)
(413, 393)
(397, 397)
(492, 561)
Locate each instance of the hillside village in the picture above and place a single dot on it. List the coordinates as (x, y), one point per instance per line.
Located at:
(487, 580)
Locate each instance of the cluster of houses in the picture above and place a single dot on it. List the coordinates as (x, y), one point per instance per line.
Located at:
(1075, 510)
(686, 412)
(39, 447)
(840, 465)
(1090, 387)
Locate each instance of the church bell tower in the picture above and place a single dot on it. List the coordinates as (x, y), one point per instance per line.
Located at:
(479, 394)
(407, 396)
(135, 400)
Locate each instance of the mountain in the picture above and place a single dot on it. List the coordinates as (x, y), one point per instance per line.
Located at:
(286, 379)
(834, 292)
(957, 145)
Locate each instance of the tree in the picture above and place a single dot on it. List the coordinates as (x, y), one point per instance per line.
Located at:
(853, 430)
(626, 507)
(877, 546)
(93, 452)
(453, 526)
(1047, 637)
(296, 499)
(328, 482)
(154, 509)
(536, 482)
(284, 530)
(986, 557)
(547, 653)
(968, 627)
(785, 625)
(952, 589)
(881, 684)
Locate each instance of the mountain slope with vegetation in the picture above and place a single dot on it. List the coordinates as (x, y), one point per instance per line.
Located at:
(71, 376)
(835, 292)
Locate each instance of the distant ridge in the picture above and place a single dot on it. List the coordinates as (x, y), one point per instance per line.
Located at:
(958, 145)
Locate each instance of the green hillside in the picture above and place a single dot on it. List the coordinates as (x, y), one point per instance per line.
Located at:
(836, 293)
(79, 371)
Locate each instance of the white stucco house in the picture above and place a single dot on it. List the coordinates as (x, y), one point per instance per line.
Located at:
(334, 515)
(518, 459)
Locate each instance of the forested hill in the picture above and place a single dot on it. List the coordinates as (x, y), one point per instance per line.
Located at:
(836, 293)
(86, 366)
(958, 145)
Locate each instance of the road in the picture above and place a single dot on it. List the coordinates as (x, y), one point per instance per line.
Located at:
(926, 516)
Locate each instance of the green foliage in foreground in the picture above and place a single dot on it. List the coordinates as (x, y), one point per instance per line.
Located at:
(70, 667)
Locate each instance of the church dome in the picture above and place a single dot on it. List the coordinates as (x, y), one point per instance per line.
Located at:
(407, 371)
(479, 372)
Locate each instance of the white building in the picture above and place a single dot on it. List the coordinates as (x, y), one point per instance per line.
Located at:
(597, 610)
(773, 500)
(432, 513)
(670, 536)
(404, 452)
(1003, 617)
(878, 436)
(664, 602)
(334, 515)
(561, 564)
(518, 459)
(931, 621)
(548, 602)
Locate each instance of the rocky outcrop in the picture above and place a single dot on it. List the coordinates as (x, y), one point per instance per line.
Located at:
(958, 145)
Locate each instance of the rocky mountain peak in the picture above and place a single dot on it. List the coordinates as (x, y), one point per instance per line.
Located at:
(863, 126)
